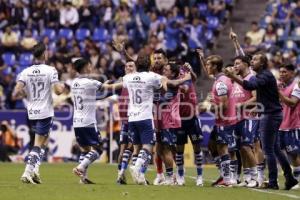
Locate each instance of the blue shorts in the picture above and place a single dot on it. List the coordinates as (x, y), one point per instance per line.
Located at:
(42, 126)
(167, 136)
(192, 129)
(125, 136)
(225, 135)
(289, 140)
(142, 132)
(245, 132)
(88, 136)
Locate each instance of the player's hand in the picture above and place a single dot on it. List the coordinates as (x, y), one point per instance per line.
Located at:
(187, 76)
(188, 67)
(118, 45)
(200, 53)
(228, 72)
(232, 35)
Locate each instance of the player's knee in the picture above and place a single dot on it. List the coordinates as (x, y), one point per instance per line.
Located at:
(98, 148)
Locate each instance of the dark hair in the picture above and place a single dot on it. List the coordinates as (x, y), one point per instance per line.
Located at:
(216, 60)
(160, 51)
(80, 63)
(254, 23)
(143, 63)
(174, 68)
(229, 65)
(289, 67)
(263, 59)
(244, 59)
(1, 61)
(39, 49)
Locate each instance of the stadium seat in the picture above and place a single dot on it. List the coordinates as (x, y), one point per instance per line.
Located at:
(202, 8)
(281, 34)
(35, 34)
(66, 33)
(100, 35)
(296, 34)
(9, 59)
(50, 33)
(212, 22)
(82, 33)
(25, 59)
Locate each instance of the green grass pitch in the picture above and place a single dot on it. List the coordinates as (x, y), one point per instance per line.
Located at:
(60, 184)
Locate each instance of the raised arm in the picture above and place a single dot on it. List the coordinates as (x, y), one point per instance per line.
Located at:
(202, 59)
(238, 49)
(120, 47)
(176, 83)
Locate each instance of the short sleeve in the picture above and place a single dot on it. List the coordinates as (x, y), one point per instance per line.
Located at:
(21, 77)
(221, 89)
(96, 84)
(156, 81)
(54, 76)
(296, 91)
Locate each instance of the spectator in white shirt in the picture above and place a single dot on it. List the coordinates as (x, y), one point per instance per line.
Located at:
(69, 16)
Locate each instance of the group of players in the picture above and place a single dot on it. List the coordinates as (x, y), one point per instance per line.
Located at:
(159, 110)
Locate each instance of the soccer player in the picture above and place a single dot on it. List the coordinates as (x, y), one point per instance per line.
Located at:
(83, 91)
(190, 127)
(140, 86)
(169, 122)
(125, 137)
(260, 160)
(247, 125)
(37, 82)
(289, 94)
(159, 61)
(267, 94)
(225, 112)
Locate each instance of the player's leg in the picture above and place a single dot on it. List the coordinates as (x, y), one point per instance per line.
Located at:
(160, 178)
(41, 129)
(224, 141)
(195, 133)
(212, 147)
(147, 138)
(168, 139)
(90, 140)
(182, 139)
(289, 142)
(260, 160)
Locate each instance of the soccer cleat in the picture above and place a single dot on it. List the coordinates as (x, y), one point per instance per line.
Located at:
(169, 180)
(220, 179)
(26, 178)
(121, 180)
(78, 172)
(160, 178)
(141, 179)
(86, 181)
(180, 180)
(223, 184)
(134, 174)
(252, 184)
(243, 184)
(296, 187)
(37, 178)
(199, 181)
(234, 181)
(270, 186)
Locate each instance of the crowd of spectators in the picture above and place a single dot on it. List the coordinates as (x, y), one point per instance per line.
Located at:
(277, 33)
(86, 28)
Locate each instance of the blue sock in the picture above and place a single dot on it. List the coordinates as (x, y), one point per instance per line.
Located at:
(125, 159)
(32, 159)
(198, 161)
(180, 163)
(143, 160)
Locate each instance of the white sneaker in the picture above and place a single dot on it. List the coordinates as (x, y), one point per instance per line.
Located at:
(180, 180)
(169, 180)
(199, 181)
(242, 184)
(141, 180)
(160, 178)
(296, 187)
(27, 178)
(134, 174)
(252, 184)
(37, 178)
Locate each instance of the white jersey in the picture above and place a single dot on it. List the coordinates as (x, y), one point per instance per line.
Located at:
(141, 86)
(38, 80)
(84, 99)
